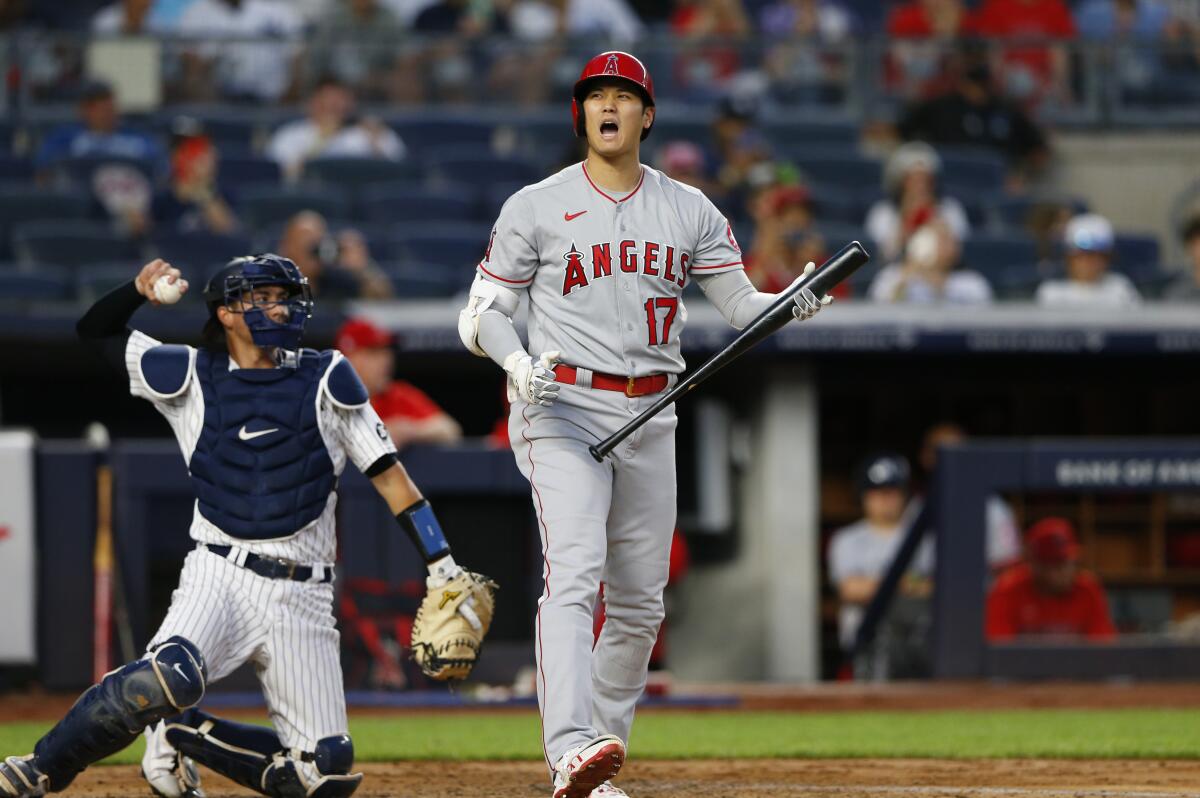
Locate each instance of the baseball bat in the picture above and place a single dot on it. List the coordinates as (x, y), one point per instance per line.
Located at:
(833, 271)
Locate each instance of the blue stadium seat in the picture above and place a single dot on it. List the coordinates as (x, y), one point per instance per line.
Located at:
(1135, 252)
(547, 141)
(195, 253)
(98, 279)
(237, 171)
(452, 246)
(992, 255)
(407, 203)
(792, 136)
(22, 204)
(71, 243)
(1012, 213)
(971, 172)
(15, 168)
(265, 206)
(472, 166)
(20, 286)
(354, 173)
(839, 168)
(421, 136)
(831, 203)
(424, 280)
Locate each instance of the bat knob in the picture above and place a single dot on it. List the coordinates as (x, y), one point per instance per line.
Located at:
(596, 453)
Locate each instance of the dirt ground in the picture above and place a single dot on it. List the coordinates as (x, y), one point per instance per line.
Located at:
(748, 779)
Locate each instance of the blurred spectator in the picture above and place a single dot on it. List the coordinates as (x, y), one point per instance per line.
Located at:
(1048, 595)
(927, 273)
(1186, 286)
(192, 200)
(543, 20)
(331, 129)
(1088, 244)
(99, 132)
(860, 554)
(924, 30)
(1033, 68)
(336, 267)
(973, 113)
(249, 71)
(127, 18)
(783, 223)
(1122, 19)
(361, 44)
(816, 20)
(701, 64)
(408, 413)
(1003, 537)
(454, 16)
(684, 161)
(913, 199)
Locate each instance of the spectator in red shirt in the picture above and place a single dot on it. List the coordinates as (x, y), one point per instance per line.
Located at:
(409, 414)
(1048, 595)
(1032, 70)
(924, 28)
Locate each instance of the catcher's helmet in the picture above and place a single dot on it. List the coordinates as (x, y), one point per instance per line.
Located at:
(613, 64)
(229, 284)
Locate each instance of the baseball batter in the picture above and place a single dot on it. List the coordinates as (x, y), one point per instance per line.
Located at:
(603, 250)
(265, 428)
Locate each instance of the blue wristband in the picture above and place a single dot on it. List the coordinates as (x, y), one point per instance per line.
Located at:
(423, 529)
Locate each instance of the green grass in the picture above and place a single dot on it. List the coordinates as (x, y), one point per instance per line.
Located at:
(1125, 733)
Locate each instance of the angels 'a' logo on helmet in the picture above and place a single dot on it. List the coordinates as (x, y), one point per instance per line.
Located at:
(611, 67)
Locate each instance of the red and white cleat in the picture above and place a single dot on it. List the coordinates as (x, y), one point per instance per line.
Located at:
(582, 770)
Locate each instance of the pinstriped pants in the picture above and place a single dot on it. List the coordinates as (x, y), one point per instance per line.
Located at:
(285, 628)
(609, 521)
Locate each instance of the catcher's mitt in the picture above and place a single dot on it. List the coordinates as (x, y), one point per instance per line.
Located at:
(451, 623)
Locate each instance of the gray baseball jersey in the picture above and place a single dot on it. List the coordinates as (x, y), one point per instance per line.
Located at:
(605, 273)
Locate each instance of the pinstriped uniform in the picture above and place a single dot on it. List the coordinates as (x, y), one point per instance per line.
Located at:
(286, 628)
(604, 275)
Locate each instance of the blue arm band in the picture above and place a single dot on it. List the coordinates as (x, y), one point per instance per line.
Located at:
(423, 529)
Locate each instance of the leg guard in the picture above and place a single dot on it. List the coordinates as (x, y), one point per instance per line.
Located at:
(111, 714)
(254, 757)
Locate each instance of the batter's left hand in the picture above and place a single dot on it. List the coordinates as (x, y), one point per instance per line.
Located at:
(807, 304)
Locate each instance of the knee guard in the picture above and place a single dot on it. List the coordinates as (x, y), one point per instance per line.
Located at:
(254, 757)
(111, 714)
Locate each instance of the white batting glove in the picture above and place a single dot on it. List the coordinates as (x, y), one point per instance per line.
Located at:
(534, 381)
(807, 303)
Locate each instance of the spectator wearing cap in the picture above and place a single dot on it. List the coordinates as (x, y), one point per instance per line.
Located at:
(1186, 286)
(913, 199)
(98, 133)
(927, 273)
(192, 200)
(860, 554)
(408, 413)
(684, 161)
(1048, 595)
(1088, 244)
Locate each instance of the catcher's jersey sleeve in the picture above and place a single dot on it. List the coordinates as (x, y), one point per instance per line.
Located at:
(511, 257)
(717, 250)
(363, 435)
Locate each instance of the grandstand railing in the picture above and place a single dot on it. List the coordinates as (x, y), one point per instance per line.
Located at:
(1122, 83)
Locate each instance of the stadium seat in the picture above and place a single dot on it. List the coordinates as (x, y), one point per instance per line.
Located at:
(401, 204)
(354, 173)
(20, 286)
(425, 280)
(244, 171)
(790, 136)
(195, 253)
(471, 166)
(422, 136)
(96, 280)
(452, 246)
(71, 243)
(265, 206)
(1013, 213)
(839, 168)
(1135, 252)
(22, 204)
(992, 255)
(970, 172)
(15, 168)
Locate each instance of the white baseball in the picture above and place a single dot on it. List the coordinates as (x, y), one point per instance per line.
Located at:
(167, 292)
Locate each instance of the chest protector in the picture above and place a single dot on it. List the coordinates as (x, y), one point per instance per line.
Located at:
(260, 469)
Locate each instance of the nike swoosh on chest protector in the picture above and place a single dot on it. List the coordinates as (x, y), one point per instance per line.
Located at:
(249, 436)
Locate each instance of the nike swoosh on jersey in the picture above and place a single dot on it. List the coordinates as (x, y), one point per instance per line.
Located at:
(569, 216)
(249, 436)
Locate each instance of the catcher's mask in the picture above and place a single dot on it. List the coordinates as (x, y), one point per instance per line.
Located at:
(232, 288)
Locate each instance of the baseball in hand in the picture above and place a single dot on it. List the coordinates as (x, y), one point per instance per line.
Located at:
(168, 292)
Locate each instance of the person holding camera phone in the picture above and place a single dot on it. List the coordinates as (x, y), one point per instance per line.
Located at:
(337, 266)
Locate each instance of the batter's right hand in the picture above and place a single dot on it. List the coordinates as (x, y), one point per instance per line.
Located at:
(534, 381)
(150, 274)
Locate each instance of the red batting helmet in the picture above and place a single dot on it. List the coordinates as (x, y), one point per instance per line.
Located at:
(613, 64)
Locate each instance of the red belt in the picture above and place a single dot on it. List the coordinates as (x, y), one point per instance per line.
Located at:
(630, 386)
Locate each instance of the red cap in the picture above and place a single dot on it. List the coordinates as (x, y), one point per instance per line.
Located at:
(1052, 541)
(360, 334)
(613, 64)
